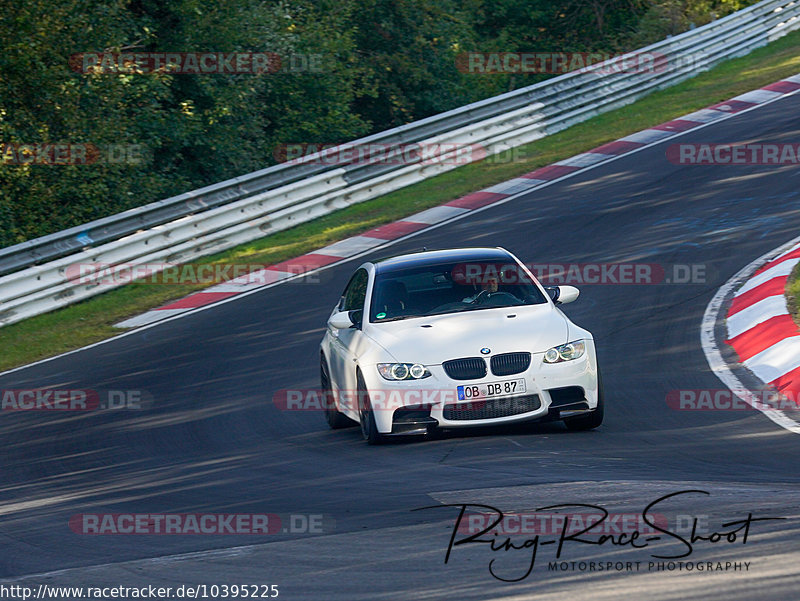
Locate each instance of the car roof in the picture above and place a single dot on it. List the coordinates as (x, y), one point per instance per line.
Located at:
(437, 257)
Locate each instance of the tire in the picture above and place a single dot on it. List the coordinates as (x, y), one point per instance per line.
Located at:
(336, 420)
(593, 419)
(368, 427)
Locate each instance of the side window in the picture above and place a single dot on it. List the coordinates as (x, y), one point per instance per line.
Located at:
(356, 292)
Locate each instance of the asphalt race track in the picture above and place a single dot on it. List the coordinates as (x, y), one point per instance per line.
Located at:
(211, 439)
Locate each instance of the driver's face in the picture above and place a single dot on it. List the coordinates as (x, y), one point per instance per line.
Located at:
(490, 285)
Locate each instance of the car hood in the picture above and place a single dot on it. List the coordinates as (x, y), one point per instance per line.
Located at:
(432, 340)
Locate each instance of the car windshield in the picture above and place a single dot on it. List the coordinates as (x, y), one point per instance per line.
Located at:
(451, 288)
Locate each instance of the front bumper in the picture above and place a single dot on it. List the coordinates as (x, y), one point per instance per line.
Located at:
(552, 391)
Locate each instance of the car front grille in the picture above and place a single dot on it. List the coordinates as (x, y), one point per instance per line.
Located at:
(491, 408)
(469, 368)
(510, 363)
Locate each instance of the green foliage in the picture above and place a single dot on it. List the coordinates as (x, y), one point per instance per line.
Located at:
(384, 63)
(793, 293)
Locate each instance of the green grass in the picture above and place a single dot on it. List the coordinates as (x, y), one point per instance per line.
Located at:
(92, 320)
(793, 293)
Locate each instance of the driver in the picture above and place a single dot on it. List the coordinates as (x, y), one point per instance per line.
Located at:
(489, 287)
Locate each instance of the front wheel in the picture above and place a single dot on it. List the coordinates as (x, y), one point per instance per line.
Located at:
(593, 419)
(369, 428)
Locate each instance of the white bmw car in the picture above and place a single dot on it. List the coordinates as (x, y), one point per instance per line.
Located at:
(451, 339)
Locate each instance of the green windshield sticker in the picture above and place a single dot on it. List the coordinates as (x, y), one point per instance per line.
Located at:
(381, 315)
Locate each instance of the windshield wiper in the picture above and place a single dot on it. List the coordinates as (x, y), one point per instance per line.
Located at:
(477, 308)
(398, 318)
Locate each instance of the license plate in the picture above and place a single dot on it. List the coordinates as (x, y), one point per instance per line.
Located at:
(491, 390)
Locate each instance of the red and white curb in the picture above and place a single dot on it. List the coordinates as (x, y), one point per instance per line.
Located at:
(356, 245)
(760, 328)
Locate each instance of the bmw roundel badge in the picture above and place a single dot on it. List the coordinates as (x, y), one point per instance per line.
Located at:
(485, 351)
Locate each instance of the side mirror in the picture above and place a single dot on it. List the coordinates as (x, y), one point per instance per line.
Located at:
(562, 294)
(567, 294)
(340, 320)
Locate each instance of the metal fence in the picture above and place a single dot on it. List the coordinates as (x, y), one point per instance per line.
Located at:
(38, 276)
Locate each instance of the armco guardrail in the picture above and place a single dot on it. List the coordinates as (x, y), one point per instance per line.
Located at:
(36, 275)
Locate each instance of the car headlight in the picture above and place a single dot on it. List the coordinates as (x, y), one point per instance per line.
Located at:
(403, 371)
(565, 352)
